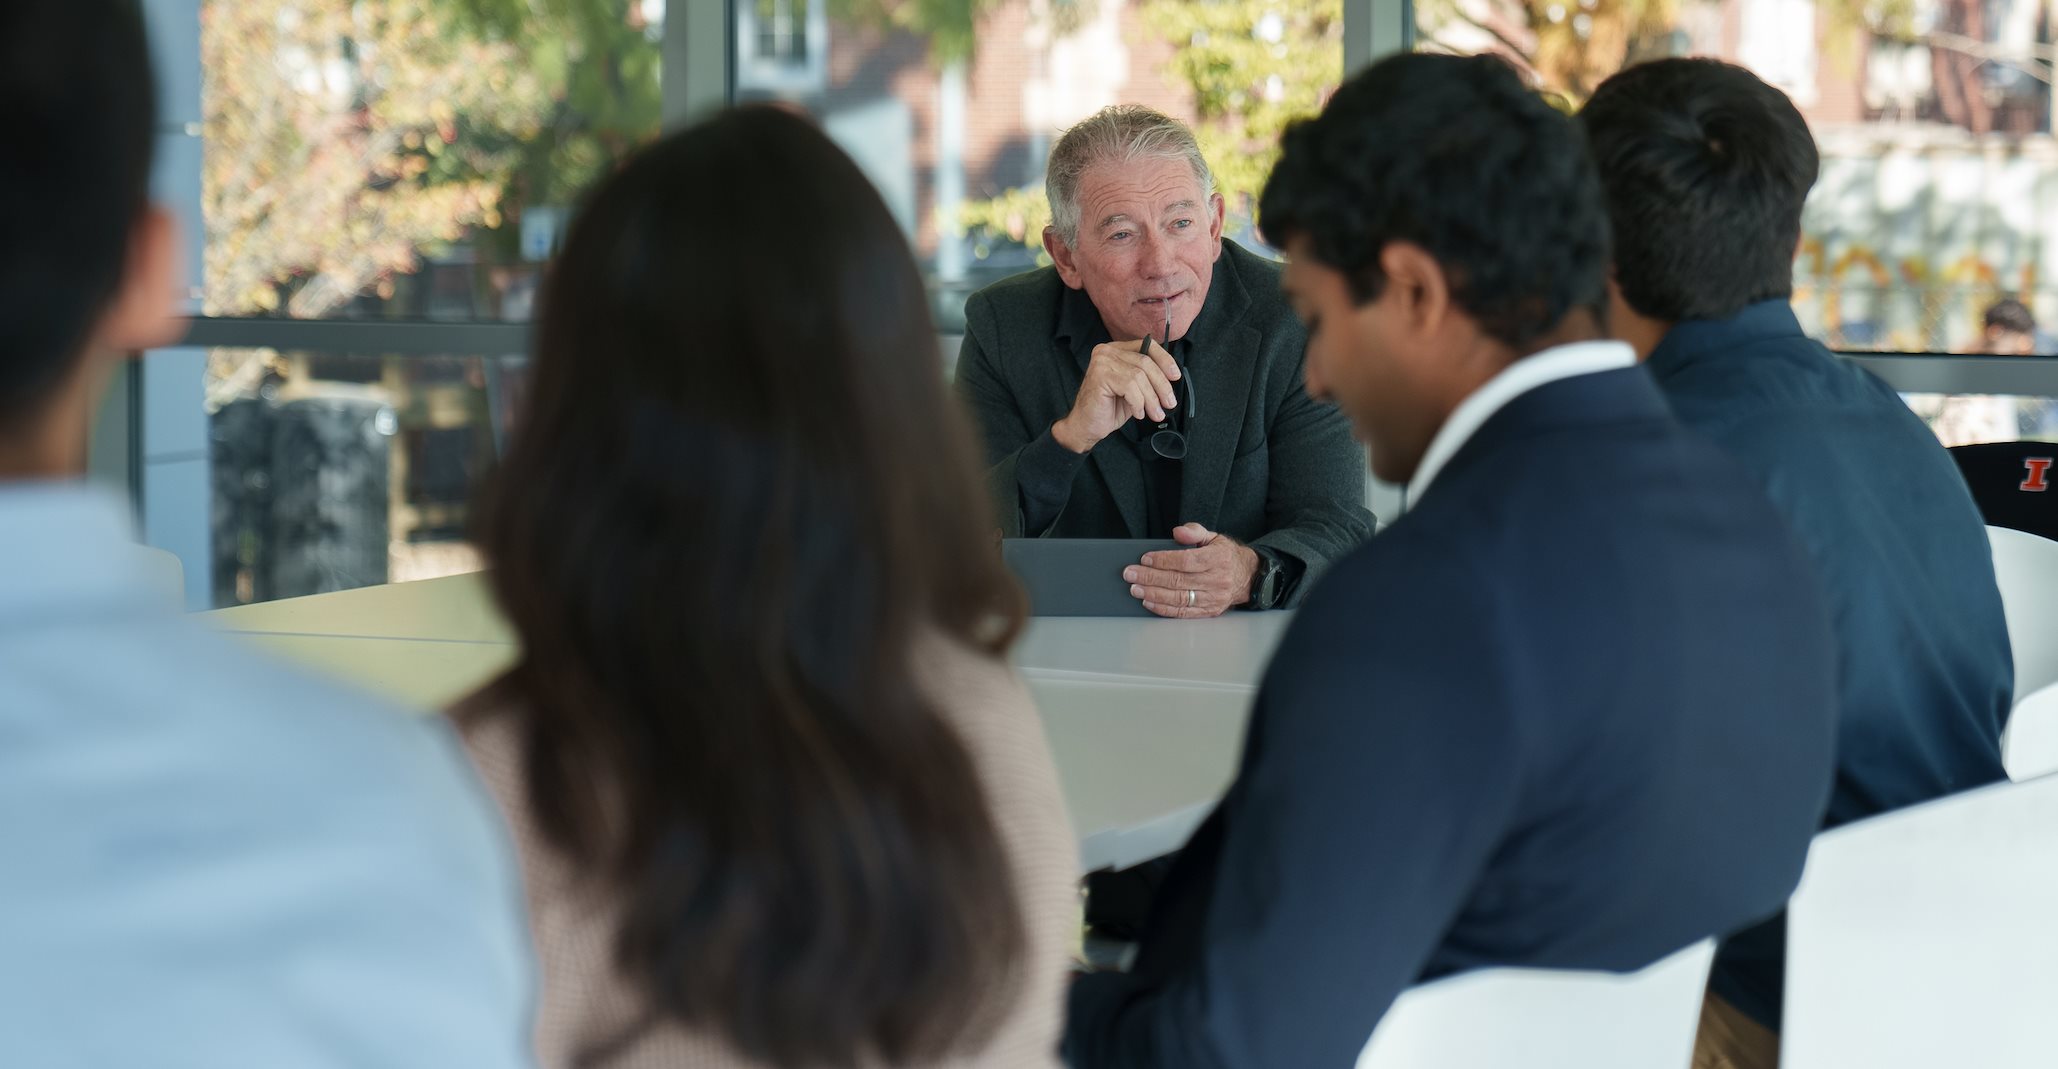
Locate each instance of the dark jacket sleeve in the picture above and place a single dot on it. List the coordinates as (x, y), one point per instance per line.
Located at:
(1029, 475)
(1357, 828)
(1315, 500)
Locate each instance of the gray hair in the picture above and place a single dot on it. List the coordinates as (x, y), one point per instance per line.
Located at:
(1121, 133)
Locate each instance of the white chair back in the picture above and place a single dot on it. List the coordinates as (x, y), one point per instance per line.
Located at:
(1384, 500)
(2027, 569)
(2029, 745)
(1929, 937)
(166, 573)
(1548, 1019)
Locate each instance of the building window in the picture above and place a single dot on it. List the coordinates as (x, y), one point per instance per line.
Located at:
(781, 46)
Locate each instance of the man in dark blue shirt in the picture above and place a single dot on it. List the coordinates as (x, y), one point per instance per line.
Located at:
(1706, 168)
(1572, 710)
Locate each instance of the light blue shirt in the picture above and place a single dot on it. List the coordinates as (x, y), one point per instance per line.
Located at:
(210, 860)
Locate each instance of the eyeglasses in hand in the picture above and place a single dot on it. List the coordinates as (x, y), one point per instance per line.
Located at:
(1167, 442)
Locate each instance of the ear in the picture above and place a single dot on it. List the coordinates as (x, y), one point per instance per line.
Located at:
(1619, 310)
(1062, 256)
(1417, 281)
(1219, 209)
(144, 312)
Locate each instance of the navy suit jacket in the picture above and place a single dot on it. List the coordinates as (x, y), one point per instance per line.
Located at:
(1574, 710)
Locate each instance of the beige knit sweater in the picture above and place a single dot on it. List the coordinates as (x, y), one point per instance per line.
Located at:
(584, 1002)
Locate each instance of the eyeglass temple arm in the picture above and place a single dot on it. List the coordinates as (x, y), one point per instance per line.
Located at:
(1185, 372)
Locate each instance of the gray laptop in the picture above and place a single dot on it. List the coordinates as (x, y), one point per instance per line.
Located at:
(1079, 576)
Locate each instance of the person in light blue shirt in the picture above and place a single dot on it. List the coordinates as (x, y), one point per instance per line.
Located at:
(206, 859)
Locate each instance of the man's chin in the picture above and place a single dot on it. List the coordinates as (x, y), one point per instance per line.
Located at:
(1391, 472)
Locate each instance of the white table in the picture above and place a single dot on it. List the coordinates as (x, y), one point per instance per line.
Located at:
(1145, 717)
(1230, 651)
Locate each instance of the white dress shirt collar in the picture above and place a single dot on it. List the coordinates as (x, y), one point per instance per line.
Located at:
(1518, 378)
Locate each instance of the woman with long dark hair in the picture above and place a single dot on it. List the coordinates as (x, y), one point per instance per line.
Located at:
(780, 800)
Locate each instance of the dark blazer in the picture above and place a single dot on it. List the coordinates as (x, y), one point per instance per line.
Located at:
(1266, 464)
(1574, 710)
(1926, 675)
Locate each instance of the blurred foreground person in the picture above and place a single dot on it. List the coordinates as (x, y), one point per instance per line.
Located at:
(210, 860)
(781, 800)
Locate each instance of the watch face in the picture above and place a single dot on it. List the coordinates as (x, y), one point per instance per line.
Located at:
(1265, 584)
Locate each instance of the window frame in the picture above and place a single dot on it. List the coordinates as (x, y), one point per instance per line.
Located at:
(700, 52)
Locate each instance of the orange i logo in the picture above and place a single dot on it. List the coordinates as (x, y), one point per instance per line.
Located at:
(2038, 479)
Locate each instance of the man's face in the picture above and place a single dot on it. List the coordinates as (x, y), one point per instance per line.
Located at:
(1148, 239)
(1381, 362)
(2004, 342)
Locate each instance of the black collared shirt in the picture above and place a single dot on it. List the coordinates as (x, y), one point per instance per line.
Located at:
(1046, 469)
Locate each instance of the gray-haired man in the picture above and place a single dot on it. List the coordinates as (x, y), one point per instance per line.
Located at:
(1150, 321)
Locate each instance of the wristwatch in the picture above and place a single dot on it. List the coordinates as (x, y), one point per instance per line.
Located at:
(1268, 583)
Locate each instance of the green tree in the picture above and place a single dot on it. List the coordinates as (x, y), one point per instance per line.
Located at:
(598, 61)
(1569, 47)
(1253, 67)
(949, 26)
(342, 138)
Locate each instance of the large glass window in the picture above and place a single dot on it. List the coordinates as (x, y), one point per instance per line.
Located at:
(409, 159)
(1975, 419)
(952, 108)
(336, 470)
(1939, 192)
(368, 184)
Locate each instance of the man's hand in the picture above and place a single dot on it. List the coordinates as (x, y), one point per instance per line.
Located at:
(1124, 381)
(1190, 584)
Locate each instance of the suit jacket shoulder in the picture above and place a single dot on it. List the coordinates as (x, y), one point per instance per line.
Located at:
(1260, 280)
(1019, 302)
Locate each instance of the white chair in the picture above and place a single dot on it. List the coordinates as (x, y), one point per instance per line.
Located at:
(1928, 937)
(2029, 745)
(165, 572)
(1548, 1019)
(1384, 500)
(2027, 569)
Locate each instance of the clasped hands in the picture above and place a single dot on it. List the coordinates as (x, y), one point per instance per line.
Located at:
(1133, 380)
(1206, 580)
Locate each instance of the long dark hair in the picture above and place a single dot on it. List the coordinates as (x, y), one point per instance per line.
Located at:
(739, 499)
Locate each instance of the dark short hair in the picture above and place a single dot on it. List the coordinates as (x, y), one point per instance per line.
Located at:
(1706, 169)
(75, 85)
(1456, 155)
(2010, 314)
(739, 512)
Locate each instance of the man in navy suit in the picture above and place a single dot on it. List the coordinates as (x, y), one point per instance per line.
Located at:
(1574, 709)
